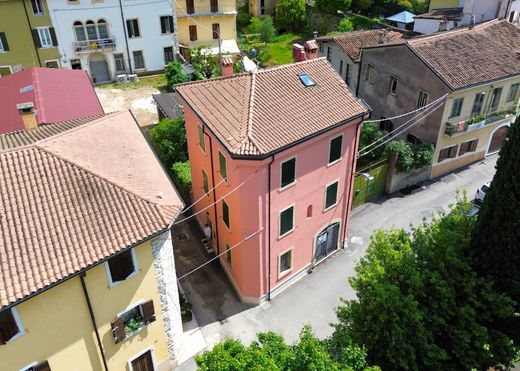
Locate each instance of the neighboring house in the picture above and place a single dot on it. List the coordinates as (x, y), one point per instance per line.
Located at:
(513, 12)
(444, 15)
(343, 51)
(39, 96)
(27, 37)
(109, 38)
(477, 68)
(207, 23)
(282, 143)
(87, 273)
(258, 8)
(403, 20)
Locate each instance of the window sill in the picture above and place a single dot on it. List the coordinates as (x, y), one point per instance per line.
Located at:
(330, 207)
(286, 187)
(334, 162)
(286, 234)
(284, 273)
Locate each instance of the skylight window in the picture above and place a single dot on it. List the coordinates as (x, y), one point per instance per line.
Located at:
(306, 80)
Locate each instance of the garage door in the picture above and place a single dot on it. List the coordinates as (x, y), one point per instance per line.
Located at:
(497, 140)
(99, 72)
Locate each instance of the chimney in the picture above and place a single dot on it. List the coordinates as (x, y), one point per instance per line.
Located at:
(26, 110)
(311, 49)
(226, 66)
(298, 53)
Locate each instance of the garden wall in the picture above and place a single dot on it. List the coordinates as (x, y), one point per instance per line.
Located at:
(398, 181)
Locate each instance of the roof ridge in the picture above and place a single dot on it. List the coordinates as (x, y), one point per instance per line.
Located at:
(454, 31)
(219, 78)
(288, 65)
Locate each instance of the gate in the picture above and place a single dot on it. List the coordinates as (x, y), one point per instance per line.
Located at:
(365, 189)
(327, 242)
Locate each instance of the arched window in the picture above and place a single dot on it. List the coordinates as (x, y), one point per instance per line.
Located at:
(91, 30)
(80, 31)
(102, 29)
(309, 211)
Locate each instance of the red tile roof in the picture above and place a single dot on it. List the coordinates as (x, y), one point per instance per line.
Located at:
(57, 94)
(261, 112)
(69, 201)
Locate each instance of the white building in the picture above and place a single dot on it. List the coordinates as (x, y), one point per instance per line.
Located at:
(111, 37)
(513, 13)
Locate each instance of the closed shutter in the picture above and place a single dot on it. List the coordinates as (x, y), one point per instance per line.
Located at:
(163, 24)
(36, 38)
(216, 30)
(44, 366)
(453, 151)
(148, 312)
(118, 330)
(214, 6)
(193, 33)
(3, 39)
(473, 146)
(53, 36)
(8, 326)
(190, 6)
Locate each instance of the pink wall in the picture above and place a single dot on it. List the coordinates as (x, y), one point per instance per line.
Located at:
(249, 205)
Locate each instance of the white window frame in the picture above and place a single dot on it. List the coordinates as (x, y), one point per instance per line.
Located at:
(330, 147)
(19, 324)
(133, 30)
(133, 358)
(52, 60)
(419, 95)
(122, 59)
(284, 273)
(392, 79)
(280, 236)
(325, 208)
(280, 188)
(160, 24)
(25, 368)
(8, 66)
(514, 98)
(135, 272)
(45, 30)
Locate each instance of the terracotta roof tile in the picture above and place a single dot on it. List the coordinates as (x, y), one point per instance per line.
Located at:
(260, 112)
(62, 211)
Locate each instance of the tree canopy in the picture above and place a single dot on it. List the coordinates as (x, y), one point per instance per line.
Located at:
(290, 15)
(169, 140)
(205, 64)
(332, 6)
(174, 74)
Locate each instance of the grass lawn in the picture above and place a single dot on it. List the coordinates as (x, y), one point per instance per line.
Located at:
(157, 82)
(280, 49)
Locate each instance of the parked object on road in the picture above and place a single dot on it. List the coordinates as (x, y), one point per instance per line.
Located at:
(481, 192)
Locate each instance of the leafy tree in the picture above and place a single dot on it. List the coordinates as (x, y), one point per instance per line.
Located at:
(345, 25)
(290, 15)
(254, 25)
(266, 29)
(169, 140)
(420, 306)
(370, 133)
(174, 74)
(332, 6)
(422, 154)
(206, 64)
(182, 174)
(495, 243)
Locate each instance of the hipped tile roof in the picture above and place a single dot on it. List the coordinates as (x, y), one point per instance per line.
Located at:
(257, 113)
(64, 208)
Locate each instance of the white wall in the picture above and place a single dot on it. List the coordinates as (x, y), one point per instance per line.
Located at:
(484, 10)
(427, 26)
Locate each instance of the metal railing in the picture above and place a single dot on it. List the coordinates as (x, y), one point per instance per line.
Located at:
(479, 121)
(94, 45)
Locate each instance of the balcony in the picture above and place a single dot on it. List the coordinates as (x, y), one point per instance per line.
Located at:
(224, 7)
(94, 45)
(479, 121)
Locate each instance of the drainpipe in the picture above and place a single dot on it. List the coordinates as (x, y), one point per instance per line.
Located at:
(126, 36)
(30, 30)
(93, 319)
(269, 229)
(213, 186)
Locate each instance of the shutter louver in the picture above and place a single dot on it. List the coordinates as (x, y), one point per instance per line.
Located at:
(44, 366)
(148, 312)
(118, 330)
(53, 36)
(36, 38)
(3, 39)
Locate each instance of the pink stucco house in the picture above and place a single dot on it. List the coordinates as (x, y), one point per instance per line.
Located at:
(287, 138)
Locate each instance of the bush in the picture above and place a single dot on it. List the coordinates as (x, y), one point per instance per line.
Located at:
(332, 6)
(404, 151)
(266, 29)
(345, 25)
(370, 133)
(243, 18)
(254, 25)
(169, 141)
(174, 75)
(206, 65)
(422, 155)
(182, 174)
(290, 15)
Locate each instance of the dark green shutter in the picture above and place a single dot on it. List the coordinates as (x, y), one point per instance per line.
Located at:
(331, 195)
(225, 213)
(170, 20)
(3, 39)
(286, 220)
(36, 38)
(223, 165)
(288, 172)
(335, 149)
(53, 36)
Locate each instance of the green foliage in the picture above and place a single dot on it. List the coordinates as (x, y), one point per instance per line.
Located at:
(133, 324)
(266, 29)
(290, 15)
(174, 75)
(419, 304)
(254, 25)
(422, 155)
(243, 18)
(495, 243)
(345, 25)
(182, 174)
(169, 141)
(332, 6)
(404, 151)
(386, 8)
(186, 313)
(370, 133)
(205, 64)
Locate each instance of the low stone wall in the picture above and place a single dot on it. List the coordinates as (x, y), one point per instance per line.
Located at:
(403, 180)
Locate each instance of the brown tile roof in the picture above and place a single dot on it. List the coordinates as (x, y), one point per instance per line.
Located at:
(260, 112)
(353, 42)
(466, 57)
(71, 200)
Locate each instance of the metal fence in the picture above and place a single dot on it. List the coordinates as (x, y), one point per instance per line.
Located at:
(365, 189)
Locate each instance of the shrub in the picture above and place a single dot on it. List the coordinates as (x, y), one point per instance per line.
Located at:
(266, 29)
(405, 160)
(174, 75)
(254, 25)
(422, 155)
(290, 15)
(182, 174)
(243, 18)
(370, 133)
(205, 64)
(345, 25)
(169, 141)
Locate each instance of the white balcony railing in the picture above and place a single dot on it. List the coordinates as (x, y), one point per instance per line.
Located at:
(94, 45)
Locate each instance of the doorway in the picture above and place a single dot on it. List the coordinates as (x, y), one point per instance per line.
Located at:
(99, 69)
(326, 242)
(497, 139)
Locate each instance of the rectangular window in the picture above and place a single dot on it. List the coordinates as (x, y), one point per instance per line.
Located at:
(478, 103)
(168, 55)
(37, 7)
(215, 27)
(4, 46)
(456, 108)
(513, 92)
(132, 320)
(167, 24)
(119, 60)
(52, 64)
(331, 195)
(144, 362)
(286, 221)
(45, 37)
(223, 165)
(495, 100)
(335, 149)
(190, 6)
(369, 72)
(10, 325)
(138, 60)
(132, 26)
(193, 33)
(341, 68)
(329, 53)
(422, 100)
(448, 152)
(214, 6)
(121, 267)
(225, 214)
(228, 254)
(205, 182)
(393, 84)
(202, 142)
(285, 263)
(288, 172)
(470, 146)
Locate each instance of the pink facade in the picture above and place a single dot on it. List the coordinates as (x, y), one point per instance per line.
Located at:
(257, 203)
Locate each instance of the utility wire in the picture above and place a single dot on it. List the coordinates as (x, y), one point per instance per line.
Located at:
(204, 195)
(219, 255)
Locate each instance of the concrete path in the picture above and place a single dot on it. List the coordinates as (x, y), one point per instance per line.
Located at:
(313, 298)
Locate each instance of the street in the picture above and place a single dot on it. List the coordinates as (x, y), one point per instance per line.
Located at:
(312, 299)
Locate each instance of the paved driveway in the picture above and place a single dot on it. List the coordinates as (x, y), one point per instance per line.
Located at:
(313, 298)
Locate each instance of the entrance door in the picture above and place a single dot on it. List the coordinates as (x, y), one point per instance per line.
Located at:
(327, 242)
(497, 140)
(99, 69)
(143, 363)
